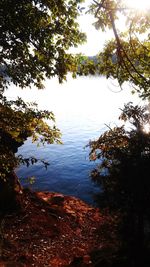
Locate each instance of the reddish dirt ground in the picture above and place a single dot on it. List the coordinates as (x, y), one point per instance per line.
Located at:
(53, 230)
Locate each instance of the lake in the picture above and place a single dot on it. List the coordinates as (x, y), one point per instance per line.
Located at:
(82, 108)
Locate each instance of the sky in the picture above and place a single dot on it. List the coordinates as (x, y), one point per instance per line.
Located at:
(96, 38)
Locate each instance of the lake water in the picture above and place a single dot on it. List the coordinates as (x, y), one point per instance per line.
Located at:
(82, 108)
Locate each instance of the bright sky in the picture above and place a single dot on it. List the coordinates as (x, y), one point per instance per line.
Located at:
(138, 4)
(95, 38)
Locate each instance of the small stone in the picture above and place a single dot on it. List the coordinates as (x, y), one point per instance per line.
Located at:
(42, 210)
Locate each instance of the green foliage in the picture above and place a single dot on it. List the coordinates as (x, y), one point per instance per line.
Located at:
(20, 120)
(35, 37)
(123, 174)
(132, 66)
(127, 56)
(124, 154)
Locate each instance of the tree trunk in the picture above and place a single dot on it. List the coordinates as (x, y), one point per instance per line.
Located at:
(10, 193)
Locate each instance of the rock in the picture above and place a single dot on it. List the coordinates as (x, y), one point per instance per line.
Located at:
(57, 199)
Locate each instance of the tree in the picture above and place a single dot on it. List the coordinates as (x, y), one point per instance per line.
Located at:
(19, 121)
(123, 173)
(35, 37)
(127, 56)
(124, 154)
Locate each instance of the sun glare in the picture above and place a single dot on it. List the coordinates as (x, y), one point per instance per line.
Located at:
(146, 128)
(138, 4)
